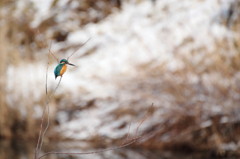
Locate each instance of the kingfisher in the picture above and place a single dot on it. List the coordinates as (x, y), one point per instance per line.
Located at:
(61, 68)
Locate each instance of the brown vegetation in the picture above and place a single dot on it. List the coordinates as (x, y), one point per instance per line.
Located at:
(201, 110)
(19, 42)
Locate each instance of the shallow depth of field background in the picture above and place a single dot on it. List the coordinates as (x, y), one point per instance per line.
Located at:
(173, 63)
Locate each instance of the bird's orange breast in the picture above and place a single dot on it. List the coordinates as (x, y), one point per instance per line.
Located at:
(63, 70)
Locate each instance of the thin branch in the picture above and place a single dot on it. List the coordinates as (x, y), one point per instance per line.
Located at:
(42, 134)
(94, 152)
(141, 122)
(128, 134)
(48, 121)
(47, 106)
(145, 118)
(78, 48)
(130, 142)
(58, 85)
(48, 99)
(49, 50)
(39, 143)
(54, 56)
(45, 130)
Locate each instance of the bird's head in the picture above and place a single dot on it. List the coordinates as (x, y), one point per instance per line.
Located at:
(64, 61)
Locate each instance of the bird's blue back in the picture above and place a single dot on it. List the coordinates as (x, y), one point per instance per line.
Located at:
(58, 70)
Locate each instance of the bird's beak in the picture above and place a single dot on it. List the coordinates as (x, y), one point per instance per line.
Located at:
(71, 64)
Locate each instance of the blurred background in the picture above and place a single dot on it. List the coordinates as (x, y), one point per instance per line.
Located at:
(182, 57)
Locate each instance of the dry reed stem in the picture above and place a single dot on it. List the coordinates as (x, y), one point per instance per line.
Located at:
(42, 131)
(125, 144)
(46, 108)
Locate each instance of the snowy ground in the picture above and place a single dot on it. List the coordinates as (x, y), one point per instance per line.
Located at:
(138, 36)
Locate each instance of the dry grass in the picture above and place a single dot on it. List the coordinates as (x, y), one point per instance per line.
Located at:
(20, 43)
(200, 102)
(196, 106)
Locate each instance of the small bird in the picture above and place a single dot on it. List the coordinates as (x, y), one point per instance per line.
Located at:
(61, 68)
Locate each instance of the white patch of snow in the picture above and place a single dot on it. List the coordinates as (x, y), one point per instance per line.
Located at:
(136, 35)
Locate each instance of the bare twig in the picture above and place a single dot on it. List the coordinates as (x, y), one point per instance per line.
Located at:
(39, 143)
(54, 56)
(145, 117)
(94, 152)
(45, 130)
(78, 49)
(46, 108)
(128, 134)
(42, 131)
(125, 144)
(48, 121)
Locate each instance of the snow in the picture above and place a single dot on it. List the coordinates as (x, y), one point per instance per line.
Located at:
(42, 7)
(136, 35)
